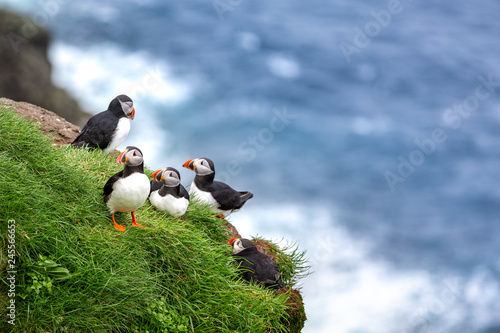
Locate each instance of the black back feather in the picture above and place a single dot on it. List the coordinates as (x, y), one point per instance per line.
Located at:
(226, 196)
(257, 266)
(98, 131)
(108, 187)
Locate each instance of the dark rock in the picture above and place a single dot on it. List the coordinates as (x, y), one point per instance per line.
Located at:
(25, 70)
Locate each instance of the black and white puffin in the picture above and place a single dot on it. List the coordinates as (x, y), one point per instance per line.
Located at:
(224, 199)
(128, 189)
(107, 130)
(254, 265)
(167, 193)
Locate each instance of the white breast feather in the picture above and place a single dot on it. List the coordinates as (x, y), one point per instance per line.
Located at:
(129, 193)
(202, 196)
(208, 198)
(119, 135)
(169, 204)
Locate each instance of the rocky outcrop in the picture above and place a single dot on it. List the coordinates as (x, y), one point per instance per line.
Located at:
(296, 311)
(52, 125)
(63, 132)
(25, 70)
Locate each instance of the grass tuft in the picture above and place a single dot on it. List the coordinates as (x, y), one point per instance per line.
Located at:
(76, 273)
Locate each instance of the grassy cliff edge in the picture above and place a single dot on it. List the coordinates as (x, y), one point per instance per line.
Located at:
(74, 272)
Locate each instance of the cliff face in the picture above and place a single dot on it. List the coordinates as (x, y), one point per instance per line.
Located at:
(25, 70)
(184, 256)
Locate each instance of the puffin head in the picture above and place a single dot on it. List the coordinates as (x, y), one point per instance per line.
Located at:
(168, 176)
(202, 166)
(239, 244)
(131, 156)
(122, 106)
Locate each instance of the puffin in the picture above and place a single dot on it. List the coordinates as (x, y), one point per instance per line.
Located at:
(166, 192)
(107, 130)
(128, 189)
(254, 265)
(221, 196)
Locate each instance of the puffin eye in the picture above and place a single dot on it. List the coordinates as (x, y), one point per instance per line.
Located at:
(171, 174)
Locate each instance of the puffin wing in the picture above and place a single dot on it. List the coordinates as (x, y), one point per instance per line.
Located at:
(98, 131)
(244, 196)
(108, 187)
(246, 268)
(227, 197)
(259, 267)
(154, 186)
(80, 139)
(268, 272)
(183, 192)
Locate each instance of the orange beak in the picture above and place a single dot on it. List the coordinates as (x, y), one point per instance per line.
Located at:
(132, 115)
(189, 164)
(156, 174)
(231, 241)
(121, 158)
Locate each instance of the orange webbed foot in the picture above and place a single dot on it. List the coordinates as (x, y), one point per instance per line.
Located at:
(138, 225)
(117, 226)
(134, 222)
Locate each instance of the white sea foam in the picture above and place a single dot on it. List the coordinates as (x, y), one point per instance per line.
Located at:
(98, 73)
(283, 66)
(367, 126)
(248, 41)
(23, 6)
(95, 75)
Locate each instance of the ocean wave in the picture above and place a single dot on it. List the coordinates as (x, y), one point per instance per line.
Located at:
(96, 74)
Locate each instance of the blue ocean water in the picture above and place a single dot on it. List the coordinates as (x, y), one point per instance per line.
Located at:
(368, 132)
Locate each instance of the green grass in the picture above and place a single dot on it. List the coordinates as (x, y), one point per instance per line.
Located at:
(76, 273)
